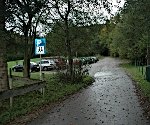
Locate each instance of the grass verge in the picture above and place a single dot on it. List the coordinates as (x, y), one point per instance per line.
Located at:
(34, 100)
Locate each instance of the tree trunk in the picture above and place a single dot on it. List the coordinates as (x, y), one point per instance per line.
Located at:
(33, 46)
(3, 68)
(69, 51)
(26, 63)
(70, 59)
(27, 52)
(3, 62)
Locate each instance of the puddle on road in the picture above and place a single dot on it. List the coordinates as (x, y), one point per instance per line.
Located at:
(101, 74)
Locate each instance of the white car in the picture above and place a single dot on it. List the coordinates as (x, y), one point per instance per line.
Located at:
(47, 64)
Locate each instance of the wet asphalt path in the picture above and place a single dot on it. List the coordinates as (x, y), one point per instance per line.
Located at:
(111, 100)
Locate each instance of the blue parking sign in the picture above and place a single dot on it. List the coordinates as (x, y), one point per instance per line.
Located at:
(40, 46)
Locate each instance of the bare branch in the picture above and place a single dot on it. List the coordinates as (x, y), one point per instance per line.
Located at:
(69, 9)
(57, 7)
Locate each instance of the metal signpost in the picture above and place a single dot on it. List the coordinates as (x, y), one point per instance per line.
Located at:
(40, 48)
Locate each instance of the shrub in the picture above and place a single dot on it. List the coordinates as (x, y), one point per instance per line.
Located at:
(87, 80)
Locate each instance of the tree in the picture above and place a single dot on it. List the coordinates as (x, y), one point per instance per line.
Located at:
(3, 62)
(79, 36)
(25, 17)
(80, 13)
(130, 36)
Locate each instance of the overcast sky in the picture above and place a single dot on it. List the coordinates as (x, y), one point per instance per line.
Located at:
(116, 5)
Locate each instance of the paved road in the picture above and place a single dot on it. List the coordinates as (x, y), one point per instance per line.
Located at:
(111, 100)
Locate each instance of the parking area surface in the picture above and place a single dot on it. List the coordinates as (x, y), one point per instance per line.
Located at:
(111, 100)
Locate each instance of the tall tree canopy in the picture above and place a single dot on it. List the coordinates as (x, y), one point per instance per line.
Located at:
(84, 40)
(130, 36)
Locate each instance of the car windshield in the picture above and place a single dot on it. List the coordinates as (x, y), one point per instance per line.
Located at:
(43, 62)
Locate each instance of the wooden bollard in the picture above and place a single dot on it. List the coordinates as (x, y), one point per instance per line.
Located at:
(10, 72)
(10, 87)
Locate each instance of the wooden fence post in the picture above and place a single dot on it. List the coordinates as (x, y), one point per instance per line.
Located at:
(10, 87)
(10, 72)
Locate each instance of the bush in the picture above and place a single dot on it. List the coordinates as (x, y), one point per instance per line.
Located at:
(87, 80)
(79, 72)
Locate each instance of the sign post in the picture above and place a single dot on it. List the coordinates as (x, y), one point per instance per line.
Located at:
(40, 68)
(40, 49)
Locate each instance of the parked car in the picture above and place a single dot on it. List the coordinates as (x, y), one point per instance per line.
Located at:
(34, 67)
(19, 68)
(59, 60)
(83, 60)
(47, 64)
(95, 59)
(88, 60)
